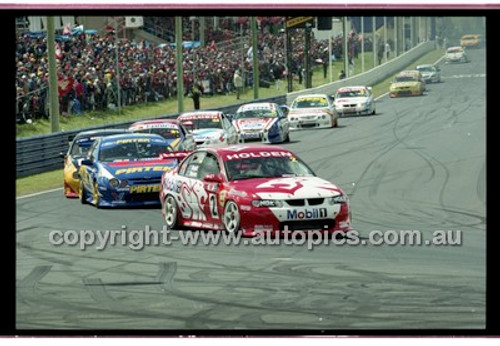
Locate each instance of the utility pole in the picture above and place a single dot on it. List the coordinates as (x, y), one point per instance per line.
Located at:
(255, 58)
(412, 29)
(307, 62)
(346, 55)
(330, 67)
(202, 31)
(179, 68)
(288, 50)
(386, 53)
(53, 89)
(192, 18)
(118, 86)
(404, 34)
(395, 36)
(362, 44)
(374, 41)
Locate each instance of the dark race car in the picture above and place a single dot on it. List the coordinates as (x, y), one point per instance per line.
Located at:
(77, 151)
(125, 170)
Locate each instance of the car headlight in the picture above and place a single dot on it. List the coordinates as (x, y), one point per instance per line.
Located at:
(270, 203)
(114, 183)
(340, 199)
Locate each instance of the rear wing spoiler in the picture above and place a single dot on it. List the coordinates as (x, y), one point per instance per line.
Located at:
(179, 155)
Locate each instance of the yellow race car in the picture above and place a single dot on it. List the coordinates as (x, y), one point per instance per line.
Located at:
(407, 83)
(77, 151)
(470, 41)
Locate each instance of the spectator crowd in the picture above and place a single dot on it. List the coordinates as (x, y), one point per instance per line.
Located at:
(87, 67)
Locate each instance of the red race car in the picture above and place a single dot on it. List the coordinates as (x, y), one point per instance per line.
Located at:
(251, 189)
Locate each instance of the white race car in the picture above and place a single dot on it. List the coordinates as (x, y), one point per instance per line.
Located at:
(354, 100)
(209, 128)
(312, 110)
(262, 122)
(430, 73)
(456, 55)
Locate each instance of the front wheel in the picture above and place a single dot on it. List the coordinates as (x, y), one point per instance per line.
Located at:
(287, 139)
(231, 217)
(82, 195)
(96, 195)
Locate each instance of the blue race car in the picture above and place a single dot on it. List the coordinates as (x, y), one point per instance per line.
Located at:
(125, 170)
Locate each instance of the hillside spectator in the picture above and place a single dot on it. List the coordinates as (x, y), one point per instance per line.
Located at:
(238, 83)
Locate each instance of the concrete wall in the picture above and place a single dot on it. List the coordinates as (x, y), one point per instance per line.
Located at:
(372, 76)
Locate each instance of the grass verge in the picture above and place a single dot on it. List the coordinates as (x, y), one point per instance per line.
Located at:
(39, 182)
(53, 179)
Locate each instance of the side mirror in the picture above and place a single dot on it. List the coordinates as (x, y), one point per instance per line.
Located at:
(213, 178)
(86, 162)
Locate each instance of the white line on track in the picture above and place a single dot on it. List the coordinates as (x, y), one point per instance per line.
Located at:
(39, 193)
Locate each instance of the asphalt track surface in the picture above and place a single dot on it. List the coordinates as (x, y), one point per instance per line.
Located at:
(419, 164)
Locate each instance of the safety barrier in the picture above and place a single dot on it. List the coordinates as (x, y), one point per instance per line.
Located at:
(40, 154)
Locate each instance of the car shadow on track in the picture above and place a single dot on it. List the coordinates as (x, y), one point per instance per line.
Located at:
(126, 207)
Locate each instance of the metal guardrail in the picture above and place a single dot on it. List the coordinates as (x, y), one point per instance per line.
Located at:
(40, 154)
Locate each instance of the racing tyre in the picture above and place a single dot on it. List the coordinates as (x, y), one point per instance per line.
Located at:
(82, 195)
(231, 217)
(287, 139)
(170, 212)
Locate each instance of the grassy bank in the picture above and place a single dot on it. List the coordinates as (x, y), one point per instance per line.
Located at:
(50, 180)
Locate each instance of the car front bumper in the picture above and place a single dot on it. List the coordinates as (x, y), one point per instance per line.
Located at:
(303, 122)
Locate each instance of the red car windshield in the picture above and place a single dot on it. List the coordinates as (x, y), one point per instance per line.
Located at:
(266, 167)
